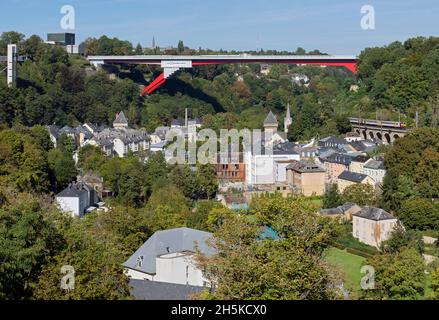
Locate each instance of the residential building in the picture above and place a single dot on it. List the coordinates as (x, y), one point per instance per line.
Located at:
(265, 69)
(348, 178)
(168, 257)
(76, 198)
(331, 142)
(352, 137)
(231, 166)
(269, 167)
(372, 226)
(121, 140)
(375, 169)
(159, 135)
(357, 164)
(335, 164)
(53, 134)
(343, 212)
(300, 79)
(306, 178)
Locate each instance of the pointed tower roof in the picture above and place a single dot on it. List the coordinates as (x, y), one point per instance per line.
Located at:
(271, 119)
(120, 119)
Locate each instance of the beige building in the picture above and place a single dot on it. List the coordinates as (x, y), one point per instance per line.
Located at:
(306, 178)
(372, 226)
(357, 164)
(335, 164)
(348, 178)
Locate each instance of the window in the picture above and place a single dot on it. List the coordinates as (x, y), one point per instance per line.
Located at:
(139, 262)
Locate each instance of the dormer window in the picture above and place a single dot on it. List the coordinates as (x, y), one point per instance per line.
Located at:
(139, 262)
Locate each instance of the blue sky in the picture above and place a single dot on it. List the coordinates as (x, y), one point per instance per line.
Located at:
(332, 26)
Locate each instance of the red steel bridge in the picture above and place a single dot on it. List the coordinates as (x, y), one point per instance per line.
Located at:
(172, 64)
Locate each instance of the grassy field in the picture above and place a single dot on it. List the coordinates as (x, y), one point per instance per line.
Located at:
(349, 264)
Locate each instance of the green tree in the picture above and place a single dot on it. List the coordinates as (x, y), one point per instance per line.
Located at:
(360, 194)
(398, 276)
(401, 238)
(91, 158)
(332, 197)
(28, 238)
(244, 267)
(62, 167)
(96, 256)
(180, 47)
(420, 214)
(66, 144)
(198, 219)
(207, 181)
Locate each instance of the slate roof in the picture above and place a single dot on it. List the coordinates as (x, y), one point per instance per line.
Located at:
(285, 148)
(332, 140)
(361, 158)
(152, 290)
(270, 119)
(375, 164)
(73, 191)
(358, 145)
(53, 130)
(305, 166)
(339, 158)
(120, 119)
(352, 176)
(168, 241)
(339, 210)
(372, 213)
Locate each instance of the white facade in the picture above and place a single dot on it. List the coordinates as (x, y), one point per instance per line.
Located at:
(177, 268)
(376, 174)
(74, 205)
(372, 232)
(266, 169)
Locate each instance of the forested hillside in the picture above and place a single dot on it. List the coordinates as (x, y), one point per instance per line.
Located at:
(56, 88)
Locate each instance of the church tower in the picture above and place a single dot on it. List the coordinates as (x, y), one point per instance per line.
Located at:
(288, 120)
(270, 123)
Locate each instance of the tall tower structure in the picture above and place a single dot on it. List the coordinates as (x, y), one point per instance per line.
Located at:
(288, 120)
(270, 123)
(12, 64)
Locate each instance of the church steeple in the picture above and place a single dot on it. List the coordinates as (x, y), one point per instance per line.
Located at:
(270, 122)
(288, 120)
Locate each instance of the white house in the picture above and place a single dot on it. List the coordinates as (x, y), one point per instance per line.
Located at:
(269, 168)
(168, 257)
(375, 169)
(75, 199)
(121, 140)
(372, 226)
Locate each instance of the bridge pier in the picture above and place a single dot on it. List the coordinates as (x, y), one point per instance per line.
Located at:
(386, 135)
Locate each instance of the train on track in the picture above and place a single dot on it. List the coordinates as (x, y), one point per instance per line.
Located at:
(378, 123)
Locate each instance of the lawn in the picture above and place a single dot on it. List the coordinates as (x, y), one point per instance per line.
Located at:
(349, 264)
